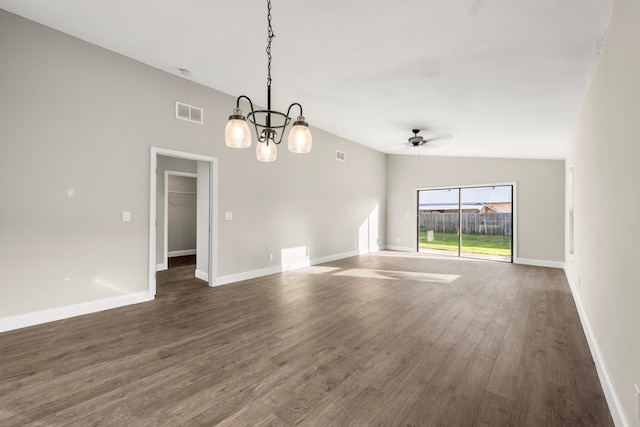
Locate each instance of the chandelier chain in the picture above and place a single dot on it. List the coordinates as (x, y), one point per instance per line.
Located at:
(270, 36)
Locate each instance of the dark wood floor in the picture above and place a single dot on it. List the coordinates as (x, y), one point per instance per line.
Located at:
(384, 339)
(182, 261)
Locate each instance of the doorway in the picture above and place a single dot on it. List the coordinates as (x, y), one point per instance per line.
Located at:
(471, 222)
(206, 177)
(180, 218)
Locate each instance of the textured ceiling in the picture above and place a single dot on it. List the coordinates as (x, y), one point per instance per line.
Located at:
(503, 78)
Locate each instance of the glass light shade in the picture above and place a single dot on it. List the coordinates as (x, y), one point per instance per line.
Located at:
(299, 140)
(266, 152)
(237, 134)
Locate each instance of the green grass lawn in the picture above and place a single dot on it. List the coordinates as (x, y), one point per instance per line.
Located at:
(471, 243)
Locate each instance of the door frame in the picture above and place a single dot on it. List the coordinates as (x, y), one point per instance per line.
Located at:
(514, 212)
(213, 204)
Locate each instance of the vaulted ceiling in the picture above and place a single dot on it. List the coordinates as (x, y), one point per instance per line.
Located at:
(503, 78)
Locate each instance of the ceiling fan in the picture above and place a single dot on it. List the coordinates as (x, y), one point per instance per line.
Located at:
(417, 140)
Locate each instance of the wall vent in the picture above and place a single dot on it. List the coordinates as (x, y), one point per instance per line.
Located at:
(340, 156)
(189, 113)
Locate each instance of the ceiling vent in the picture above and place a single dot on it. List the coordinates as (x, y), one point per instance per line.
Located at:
(340, 156)
(189, 113)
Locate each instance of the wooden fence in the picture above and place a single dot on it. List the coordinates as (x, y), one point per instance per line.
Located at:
(472, 223)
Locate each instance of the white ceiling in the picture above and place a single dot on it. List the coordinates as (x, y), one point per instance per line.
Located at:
(503, 78)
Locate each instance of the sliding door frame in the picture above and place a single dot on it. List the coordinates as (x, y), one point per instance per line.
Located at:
(514, 212)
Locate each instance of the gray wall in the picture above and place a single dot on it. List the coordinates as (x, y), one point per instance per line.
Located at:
(77, 126)
(539, 199)
(604, 155)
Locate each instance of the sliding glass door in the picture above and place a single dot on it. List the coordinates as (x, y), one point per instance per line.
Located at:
(486, 222)
(438, 221)
(474, 222)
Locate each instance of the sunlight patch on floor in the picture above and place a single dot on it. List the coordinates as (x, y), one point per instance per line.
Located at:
(317, 270)
(398, 275)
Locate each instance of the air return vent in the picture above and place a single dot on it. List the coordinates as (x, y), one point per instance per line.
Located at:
(189, 113)
(340, 156)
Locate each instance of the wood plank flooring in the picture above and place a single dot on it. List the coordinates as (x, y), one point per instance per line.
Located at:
(386, 339)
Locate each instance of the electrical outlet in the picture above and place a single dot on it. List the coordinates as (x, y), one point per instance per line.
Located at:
(270, 257)
(126, 216)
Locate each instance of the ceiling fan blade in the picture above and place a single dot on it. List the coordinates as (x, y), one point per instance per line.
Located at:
(439, 137)
(436, 141)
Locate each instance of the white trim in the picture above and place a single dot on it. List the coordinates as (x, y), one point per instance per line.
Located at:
(335, 257)
(162, 267)
(153, 198)
(213, 222)
(183, 252)
(514, 221)
(59, 313)
(202, 275)
(213, 201)
(181, 154)
(446, 187)
(402, 248)
(239, 277)
(615, 406)
(415, 235)
(253, 274)
(539, 262)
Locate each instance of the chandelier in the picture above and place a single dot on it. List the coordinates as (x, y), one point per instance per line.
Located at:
(269, 124)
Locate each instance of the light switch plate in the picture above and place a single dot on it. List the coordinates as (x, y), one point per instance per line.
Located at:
(126, 216)
(228, 216)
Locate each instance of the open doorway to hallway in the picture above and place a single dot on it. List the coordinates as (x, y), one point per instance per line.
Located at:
(472, 222)
(165, 163)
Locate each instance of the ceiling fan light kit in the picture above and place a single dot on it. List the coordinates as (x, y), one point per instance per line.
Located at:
(269, 125)
(416, 140)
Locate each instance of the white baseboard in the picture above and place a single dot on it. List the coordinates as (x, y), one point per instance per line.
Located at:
(615, 406)
(232, 278)
(239, 277)
(524, 261)
(335, 257)
(184, 252)
(539, 262)
(162, 267)
(43, 316)
(370, 250)
(400, 248)
(202, 275)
